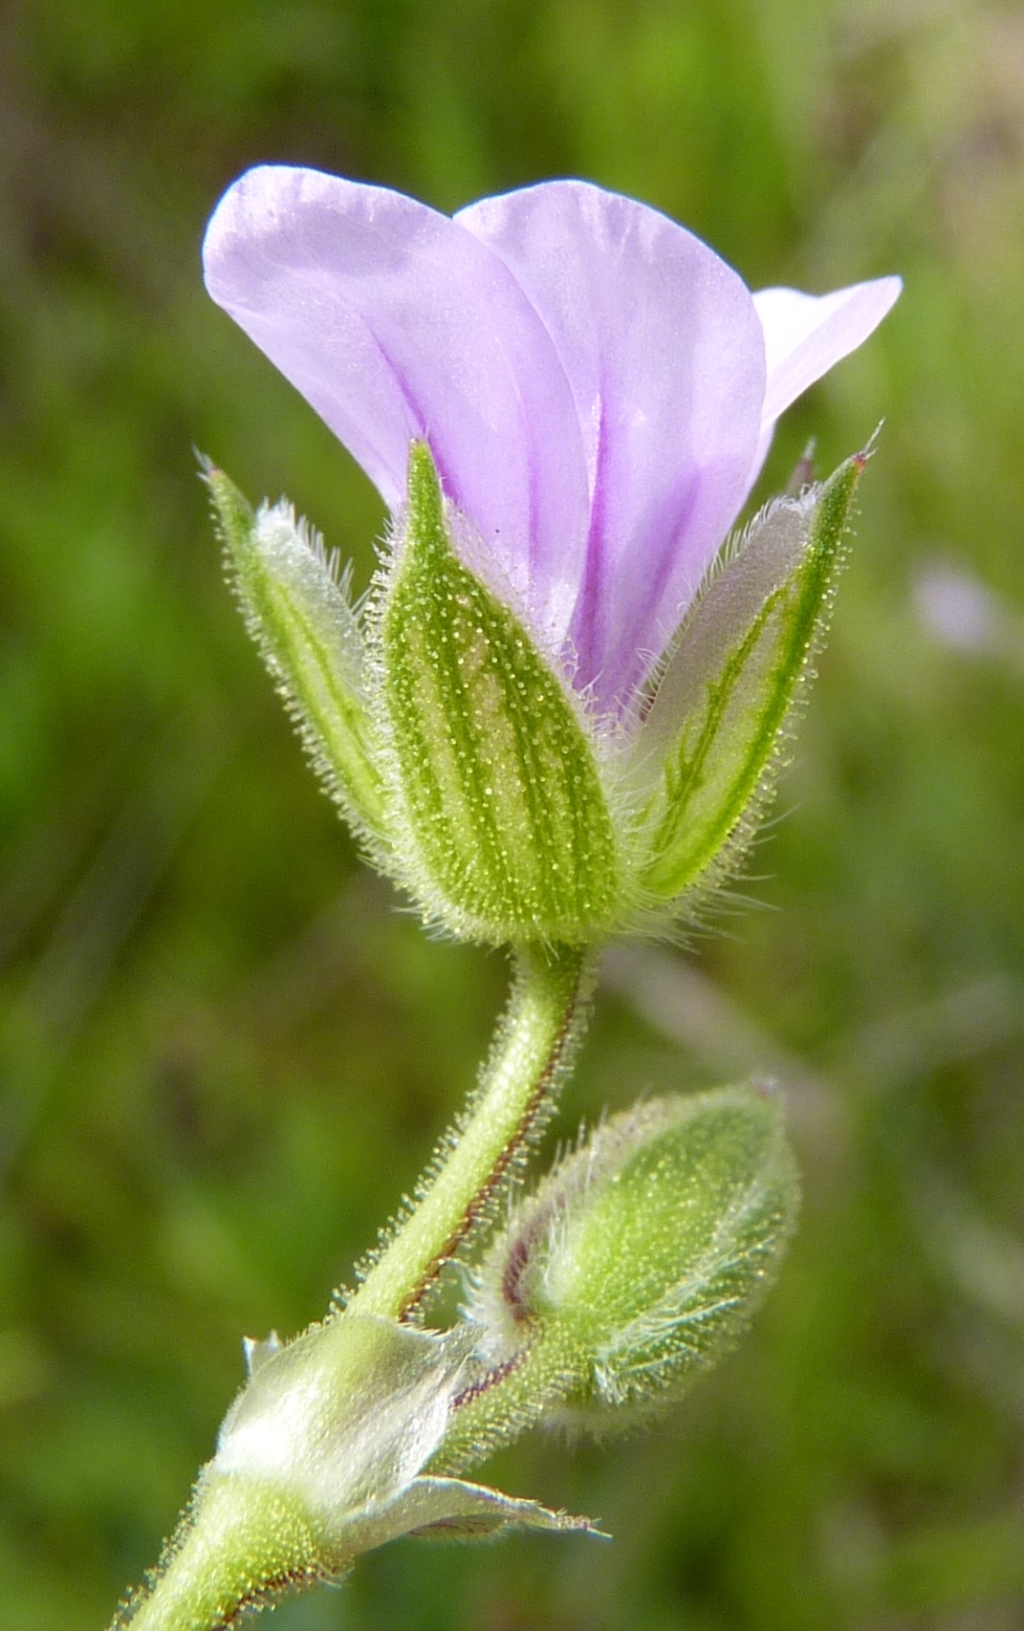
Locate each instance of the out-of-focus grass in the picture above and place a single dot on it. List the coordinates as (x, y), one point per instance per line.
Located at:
(224, 1053)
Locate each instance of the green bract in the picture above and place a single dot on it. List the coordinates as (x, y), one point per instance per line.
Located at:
(318, 1460)
(467, 764)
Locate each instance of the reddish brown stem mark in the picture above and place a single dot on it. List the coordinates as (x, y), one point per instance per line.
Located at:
(477, 1209)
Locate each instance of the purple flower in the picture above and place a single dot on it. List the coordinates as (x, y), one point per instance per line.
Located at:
(598, 389)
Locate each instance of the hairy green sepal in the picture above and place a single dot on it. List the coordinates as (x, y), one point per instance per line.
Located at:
(298, 613)
(459, 753)
(507, 828)
(710, 741)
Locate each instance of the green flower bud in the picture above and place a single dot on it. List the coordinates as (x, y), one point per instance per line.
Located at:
(636, 1265)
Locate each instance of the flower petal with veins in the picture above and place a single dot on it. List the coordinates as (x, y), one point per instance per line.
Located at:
(663, 350)
(597, 387)
(396, 324)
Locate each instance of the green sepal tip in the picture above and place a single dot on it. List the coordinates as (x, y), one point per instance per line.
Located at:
(310, 639)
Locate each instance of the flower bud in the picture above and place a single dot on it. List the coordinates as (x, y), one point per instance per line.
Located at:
(636, 1265)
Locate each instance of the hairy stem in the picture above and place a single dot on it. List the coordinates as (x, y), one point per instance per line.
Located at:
(245, 1541)
(241, 1547)
(531, 1055)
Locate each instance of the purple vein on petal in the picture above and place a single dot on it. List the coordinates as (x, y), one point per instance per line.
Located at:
(657, 612)
(664, 353)
(421, 430)
(591, 602)
(533, 542)
(653, 613)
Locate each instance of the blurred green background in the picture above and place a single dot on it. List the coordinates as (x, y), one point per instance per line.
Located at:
(225, 1054)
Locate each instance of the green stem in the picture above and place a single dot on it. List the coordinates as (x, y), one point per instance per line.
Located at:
(242, 1545)
(531, 1055)
(245, 1542)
